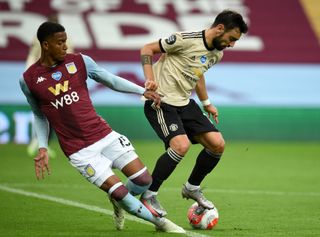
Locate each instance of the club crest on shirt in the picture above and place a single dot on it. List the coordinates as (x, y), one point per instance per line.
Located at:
(56, 75)
(71, 68)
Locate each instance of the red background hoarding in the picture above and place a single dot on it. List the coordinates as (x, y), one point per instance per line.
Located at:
(279, 31)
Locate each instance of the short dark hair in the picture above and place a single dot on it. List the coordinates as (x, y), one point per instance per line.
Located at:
(47, 29)
(230, 20)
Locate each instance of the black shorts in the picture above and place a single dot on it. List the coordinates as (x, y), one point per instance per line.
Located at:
(169, 121)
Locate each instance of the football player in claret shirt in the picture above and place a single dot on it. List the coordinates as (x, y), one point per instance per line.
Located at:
(56, 89)
(179, 121)
(33, 56)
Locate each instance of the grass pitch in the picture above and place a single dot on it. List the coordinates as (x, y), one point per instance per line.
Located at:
(260, 189)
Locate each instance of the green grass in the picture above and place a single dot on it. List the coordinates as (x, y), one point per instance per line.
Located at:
(261, 189)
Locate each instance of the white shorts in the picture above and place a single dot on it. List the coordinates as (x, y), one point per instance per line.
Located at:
(96, 161)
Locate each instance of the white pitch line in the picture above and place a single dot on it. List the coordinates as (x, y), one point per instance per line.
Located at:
(210, 190)
(81, 205)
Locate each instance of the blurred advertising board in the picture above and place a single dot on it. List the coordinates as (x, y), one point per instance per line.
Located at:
(115, 30)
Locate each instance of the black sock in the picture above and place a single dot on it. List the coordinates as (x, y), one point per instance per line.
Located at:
(205, 163)
(164, 167)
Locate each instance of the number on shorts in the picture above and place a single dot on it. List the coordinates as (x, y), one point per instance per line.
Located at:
(124, 141)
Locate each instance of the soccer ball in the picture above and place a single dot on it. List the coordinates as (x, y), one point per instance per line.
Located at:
(201, 218)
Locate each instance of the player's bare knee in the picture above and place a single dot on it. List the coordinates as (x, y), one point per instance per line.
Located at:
(217, 146)
(220, 146)
(180, 145)
(181, 148)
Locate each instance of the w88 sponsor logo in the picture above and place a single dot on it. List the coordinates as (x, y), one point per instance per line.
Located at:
(67, 99)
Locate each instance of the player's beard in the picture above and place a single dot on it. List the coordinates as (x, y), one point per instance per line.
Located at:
(217, 43)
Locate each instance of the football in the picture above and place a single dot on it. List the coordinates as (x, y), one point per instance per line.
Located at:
(201, 218)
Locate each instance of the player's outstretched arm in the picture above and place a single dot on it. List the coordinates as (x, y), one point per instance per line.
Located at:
(110, 80)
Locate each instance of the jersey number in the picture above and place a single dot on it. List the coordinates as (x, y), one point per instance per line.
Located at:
(124, 141)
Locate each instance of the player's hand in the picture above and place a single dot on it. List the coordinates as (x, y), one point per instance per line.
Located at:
(151, 85)
(212, 111)
(154, 96)
(41, 163)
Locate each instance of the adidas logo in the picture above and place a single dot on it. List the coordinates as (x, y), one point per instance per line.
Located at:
(41, 79)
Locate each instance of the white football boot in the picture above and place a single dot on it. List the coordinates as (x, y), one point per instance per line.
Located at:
(118, 215)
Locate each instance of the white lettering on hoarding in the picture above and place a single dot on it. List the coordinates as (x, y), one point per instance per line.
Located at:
(112, 37)
(24, 23)
(16, 5)
(21, 125)
(71, 6)
(102, 28)
(76, 29)
(4, 128)
(186, 6)
(22, 121)
(85, 5)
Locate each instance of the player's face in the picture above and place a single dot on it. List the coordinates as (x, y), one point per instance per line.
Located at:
(227, 39)
(57, 47)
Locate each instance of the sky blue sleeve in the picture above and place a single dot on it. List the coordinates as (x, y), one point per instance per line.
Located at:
(41, 124)
(108, 79)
